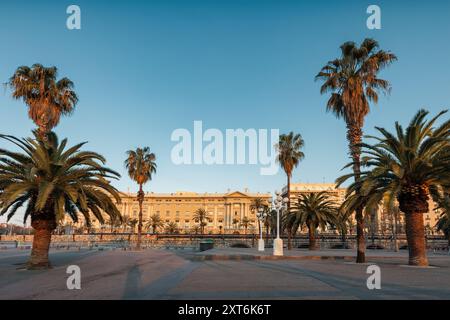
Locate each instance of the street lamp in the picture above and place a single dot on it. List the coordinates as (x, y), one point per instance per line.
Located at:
(261, 214)
(279, 204)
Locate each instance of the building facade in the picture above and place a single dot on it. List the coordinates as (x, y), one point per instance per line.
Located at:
(225, 210)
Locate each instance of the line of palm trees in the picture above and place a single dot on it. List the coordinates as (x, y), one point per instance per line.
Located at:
(52, 179)
(407, 167)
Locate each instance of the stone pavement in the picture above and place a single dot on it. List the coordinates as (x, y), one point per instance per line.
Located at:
(300, 254)
(162, 274)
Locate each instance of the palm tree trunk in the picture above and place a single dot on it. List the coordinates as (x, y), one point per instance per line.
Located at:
(395, 232)
(289, 244)
(140, 200)
(354, 137)
(259, 226)
(41, 244)
(415, 234)
(344, 239)
(312, 237)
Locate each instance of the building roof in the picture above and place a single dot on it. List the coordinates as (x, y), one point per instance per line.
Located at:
(188, 194)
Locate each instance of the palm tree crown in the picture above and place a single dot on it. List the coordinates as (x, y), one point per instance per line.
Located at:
(51, 180)
(47, 98)
(353, 80)
(201, 216)
(140, 164)
(314, 209)
(155, 222)
(289, 151)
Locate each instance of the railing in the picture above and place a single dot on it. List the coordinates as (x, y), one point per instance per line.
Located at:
(126, 241)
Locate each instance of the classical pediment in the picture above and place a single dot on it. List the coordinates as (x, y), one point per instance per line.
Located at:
(236, 194)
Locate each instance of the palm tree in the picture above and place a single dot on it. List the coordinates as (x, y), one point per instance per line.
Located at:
(407, 166)
(201, 217)
(132, 224)
(268, 220)
(314, 209)
(443, 224)
(195, 230)
(245, 223)
(114, 222)
(289, 156)
(353, 81)
(140, 164)
(256, 205)
(125, 222)
(171, 228)
(235, 222)
(343, 224)
(47, 98)
(51, 181)
(155, 222)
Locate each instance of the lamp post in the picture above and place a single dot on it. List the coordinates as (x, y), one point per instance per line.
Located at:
(279, 204)
(261, 214)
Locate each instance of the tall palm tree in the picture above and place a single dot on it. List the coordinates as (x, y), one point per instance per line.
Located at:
(155, 222)
(314, 209)
(408, 166)
(289, 156)
(201, 217)
(353, 82)
(47, 98)
(51, 180)
(141, 165)
(245, 223)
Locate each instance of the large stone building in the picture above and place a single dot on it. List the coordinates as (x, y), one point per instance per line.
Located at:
(223, 208)
(226, 210)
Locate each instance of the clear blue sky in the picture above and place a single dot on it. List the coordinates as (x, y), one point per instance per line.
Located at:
(145, 68)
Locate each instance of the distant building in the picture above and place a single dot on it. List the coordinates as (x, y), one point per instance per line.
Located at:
(180, 207)
(380, 222)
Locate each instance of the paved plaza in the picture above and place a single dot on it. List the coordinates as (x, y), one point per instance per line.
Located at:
(222, 274)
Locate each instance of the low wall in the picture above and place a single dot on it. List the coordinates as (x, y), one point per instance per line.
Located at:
(175, 241)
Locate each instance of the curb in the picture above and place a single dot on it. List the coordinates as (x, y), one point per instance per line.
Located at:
(239, 257)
